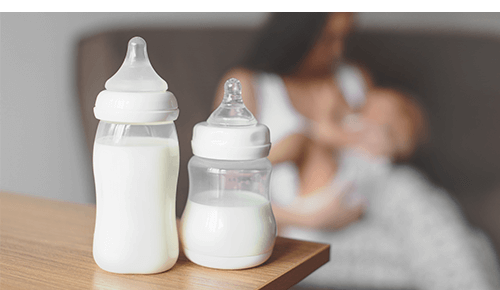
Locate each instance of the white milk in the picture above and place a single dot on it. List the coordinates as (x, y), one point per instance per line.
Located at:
(235, 232)
(135, 221)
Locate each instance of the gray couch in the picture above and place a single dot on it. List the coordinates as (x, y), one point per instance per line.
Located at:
(456, 77)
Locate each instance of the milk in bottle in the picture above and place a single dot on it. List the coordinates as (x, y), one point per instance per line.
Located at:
(136, 164)
(228, 221)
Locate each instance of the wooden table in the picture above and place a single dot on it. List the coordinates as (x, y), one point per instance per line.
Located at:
(46, 244)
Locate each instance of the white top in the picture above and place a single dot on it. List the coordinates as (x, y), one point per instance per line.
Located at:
(412, 235)
(275, 110)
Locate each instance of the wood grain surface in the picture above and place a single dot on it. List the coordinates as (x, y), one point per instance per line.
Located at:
(46, 244)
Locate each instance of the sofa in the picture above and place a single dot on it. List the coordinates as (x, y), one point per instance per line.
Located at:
(455, 76)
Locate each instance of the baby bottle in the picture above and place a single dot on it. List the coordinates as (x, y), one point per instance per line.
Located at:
(136, 165)
(228, 222)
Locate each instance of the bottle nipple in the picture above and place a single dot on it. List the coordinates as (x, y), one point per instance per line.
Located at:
(232, 110)
(136, 73)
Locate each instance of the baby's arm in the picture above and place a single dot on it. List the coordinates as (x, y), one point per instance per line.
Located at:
(328, 209)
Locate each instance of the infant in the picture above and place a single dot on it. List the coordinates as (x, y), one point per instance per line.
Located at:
(388, 127)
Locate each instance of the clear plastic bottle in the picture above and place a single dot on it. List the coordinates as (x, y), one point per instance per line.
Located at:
(228, 221)
(136, 165)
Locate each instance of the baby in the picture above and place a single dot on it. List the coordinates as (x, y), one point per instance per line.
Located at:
(388, 127)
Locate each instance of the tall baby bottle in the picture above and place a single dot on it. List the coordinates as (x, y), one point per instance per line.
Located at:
(228, 222)
(136, 165)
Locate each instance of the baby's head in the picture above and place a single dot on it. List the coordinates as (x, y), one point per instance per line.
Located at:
(401, 116)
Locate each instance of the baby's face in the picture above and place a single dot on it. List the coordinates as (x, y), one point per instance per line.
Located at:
(388, 115)
(381, 111)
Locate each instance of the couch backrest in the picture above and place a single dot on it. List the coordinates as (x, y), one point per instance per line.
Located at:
(457, 79)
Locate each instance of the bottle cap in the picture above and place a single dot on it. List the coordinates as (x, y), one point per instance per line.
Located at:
(135, 93)
(231, 132)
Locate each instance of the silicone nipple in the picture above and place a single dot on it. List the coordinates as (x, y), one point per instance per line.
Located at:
(232, 110)
(136, 73)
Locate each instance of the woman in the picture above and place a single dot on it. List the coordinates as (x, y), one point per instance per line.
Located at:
(281, 71)
(322, 113)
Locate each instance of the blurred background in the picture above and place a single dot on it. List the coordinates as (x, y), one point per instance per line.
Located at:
(43, 147)
(53, 65)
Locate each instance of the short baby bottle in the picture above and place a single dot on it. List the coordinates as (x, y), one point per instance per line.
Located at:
(228, 222)
(136, 165)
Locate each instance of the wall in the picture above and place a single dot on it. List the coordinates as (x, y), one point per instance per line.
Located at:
(42, 146)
